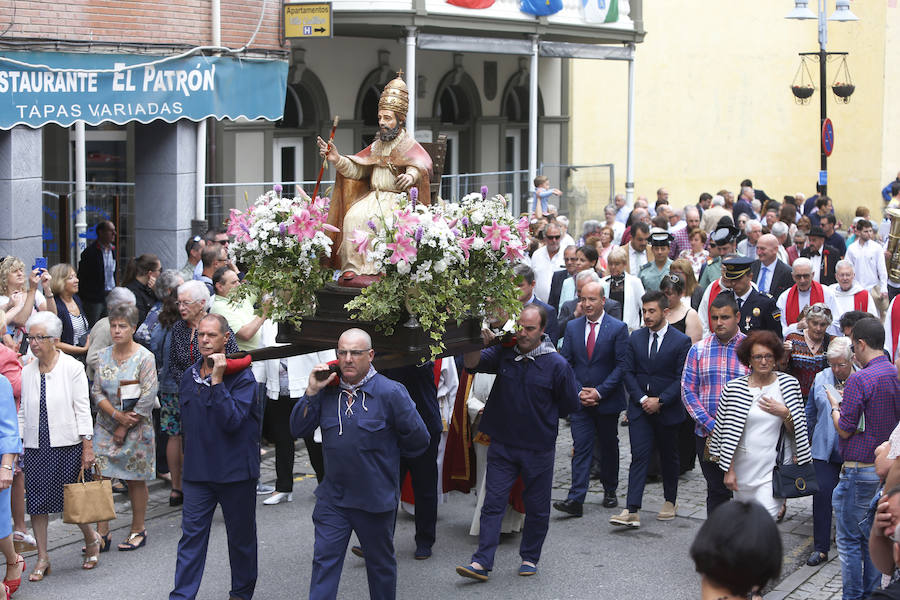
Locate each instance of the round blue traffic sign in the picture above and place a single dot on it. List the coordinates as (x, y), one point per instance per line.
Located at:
(827, 137)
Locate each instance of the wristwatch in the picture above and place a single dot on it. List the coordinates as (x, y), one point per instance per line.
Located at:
(7, 467)
(87, 437)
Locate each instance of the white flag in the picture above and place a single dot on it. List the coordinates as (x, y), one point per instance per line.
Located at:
(601, 11)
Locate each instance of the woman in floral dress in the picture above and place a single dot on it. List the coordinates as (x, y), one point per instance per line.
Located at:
(124, 392)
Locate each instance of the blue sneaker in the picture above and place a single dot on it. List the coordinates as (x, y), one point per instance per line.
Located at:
(526, 570)
(473, 573)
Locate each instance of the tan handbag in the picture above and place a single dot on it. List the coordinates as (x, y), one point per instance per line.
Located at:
(88, 501)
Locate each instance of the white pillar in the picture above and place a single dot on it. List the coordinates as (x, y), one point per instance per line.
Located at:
(216, 18)
(629, 160)
(411, 79)
(80, 191)
(533, 115)
(200, 190)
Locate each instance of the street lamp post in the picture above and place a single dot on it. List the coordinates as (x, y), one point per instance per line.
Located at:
(841, 13)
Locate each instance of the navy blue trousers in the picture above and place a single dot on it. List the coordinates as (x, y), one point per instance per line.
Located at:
(827, 475)
(423, 473)
(333, 526)
(716, 492)
(646, 433)
(587, 425)
(238, 502)
(504, 465)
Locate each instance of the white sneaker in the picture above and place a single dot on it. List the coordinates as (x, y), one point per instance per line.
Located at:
(279, 497)
(262, 489)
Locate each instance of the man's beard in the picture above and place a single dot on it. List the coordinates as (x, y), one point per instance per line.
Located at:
(387, 134)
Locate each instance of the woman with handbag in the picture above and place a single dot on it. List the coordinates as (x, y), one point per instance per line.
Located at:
(753, 410)
(124, 392)
(56, 427)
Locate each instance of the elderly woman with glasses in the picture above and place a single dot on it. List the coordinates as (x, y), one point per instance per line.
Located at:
(124, 392)
(57, 431)
(753, 410)
(825, 449)
(806, 349)
(184, 351)
(100, 335)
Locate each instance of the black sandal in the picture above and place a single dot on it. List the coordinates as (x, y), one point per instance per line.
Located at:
(105, 543)
(176, 498)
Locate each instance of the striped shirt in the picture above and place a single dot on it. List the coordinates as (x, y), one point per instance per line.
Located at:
(734, 406)
(709, 366)
(875, 392)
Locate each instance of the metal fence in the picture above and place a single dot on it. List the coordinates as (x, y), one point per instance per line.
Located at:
(111, 201)
(587, 190)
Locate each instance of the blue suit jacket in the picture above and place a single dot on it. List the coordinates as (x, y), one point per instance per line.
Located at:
(662, 378)
(605, 370)
(220, 425)
(552, 328)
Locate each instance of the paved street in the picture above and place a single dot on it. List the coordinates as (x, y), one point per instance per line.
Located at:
(583, 558)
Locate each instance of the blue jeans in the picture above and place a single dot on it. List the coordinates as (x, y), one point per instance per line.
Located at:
(852, 496)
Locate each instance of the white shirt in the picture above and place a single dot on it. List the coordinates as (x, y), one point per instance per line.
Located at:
(803, 302)
(109, 268)
(618, 229)
(816, 266)
(636, 260)
(868, 262)
(843, 301)
(587, 327)
(744, 248)
(769, 272)
(659, 337)
(544, 267)
(622, 214)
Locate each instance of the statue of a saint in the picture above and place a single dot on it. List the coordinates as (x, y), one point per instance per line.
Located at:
(369, 184)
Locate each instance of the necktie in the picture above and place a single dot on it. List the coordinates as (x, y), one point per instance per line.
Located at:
(763, 275)
(740, 303)
(654, 347)
(592, 339)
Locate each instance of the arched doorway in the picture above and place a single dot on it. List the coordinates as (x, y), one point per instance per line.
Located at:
(366, 108)
(457, 107)
(514, 106)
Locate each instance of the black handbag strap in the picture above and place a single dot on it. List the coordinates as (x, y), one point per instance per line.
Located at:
(779, 448)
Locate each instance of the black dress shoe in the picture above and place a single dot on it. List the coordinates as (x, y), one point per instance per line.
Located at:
(570, 507)
(610, 500)
(816, 558)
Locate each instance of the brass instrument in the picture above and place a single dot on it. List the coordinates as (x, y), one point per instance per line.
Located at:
(893, 245)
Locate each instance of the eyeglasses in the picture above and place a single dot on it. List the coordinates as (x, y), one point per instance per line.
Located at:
(552, 237)
(188, 302)
(351, 353)
(763, 357)
(820, 309)
(38, 338)
(196, 238)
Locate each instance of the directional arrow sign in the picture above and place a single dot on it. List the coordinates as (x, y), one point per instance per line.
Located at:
(307, 19)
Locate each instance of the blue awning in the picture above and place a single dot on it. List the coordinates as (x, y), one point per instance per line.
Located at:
(37, 88)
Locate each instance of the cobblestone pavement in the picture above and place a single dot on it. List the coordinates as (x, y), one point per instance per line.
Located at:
(799, 581)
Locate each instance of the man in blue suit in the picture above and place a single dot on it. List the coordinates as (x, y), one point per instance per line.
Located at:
(525, 274)
(220, 419)
(656, 354)
(596, 346)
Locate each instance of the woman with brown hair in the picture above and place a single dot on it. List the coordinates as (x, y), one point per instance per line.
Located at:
(751, 414)
(683, 266)
(75, 338)
(140, 276)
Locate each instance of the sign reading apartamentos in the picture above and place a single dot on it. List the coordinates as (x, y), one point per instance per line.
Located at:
(307, 19)
(37, 88)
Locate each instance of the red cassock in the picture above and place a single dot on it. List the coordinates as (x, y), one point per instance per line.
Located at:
(471, 3)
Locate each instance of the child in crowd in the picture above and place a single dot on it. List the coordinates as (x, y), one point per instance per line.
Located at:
(542, 191)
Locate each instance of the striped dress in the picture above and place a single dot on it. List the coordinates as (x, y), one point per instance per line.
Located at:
(745, 436)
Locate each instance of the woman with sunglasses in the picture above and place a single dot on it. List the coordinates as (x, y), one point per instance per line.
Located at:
(681, 316)
(751, 414)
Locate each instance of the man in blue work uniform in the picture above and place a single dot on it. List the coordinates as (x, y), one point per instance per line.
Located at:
(220, 421)
(368, 422)
(535, 387)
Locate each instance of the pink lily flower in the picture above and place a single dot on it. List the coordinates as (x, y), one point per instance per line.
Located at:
(402, 249)
(303, 226)
(361, 241)
(513, 251)
(495, 234)
(406, 221)
(465, 244)
(522, 228)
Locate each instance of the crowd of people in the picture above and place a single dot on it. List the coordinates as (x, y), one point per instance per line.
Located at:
(727, 333)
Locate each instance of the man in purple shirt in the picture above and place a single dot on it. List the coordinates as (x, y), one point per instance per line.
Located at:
(864, 418)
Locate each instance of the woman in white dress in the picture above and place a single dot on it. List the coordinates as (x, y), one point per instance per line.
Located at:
(749, 419)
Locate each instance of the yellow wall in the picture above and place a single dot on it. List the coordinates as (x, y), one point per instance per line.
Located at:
(713, 104)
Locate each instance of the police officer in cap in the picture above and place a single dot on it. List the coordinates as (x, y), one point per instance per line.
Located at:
(724, 237)
(651, 274)
(757, 310)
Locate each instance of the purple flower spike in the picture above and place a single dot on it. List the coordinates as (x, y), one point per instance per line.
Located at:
(419, 232)
(465, 221)
(282, 229)
(484, 192)
(455, 232)
(414, 194)
(277, 187)
(371, 225)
